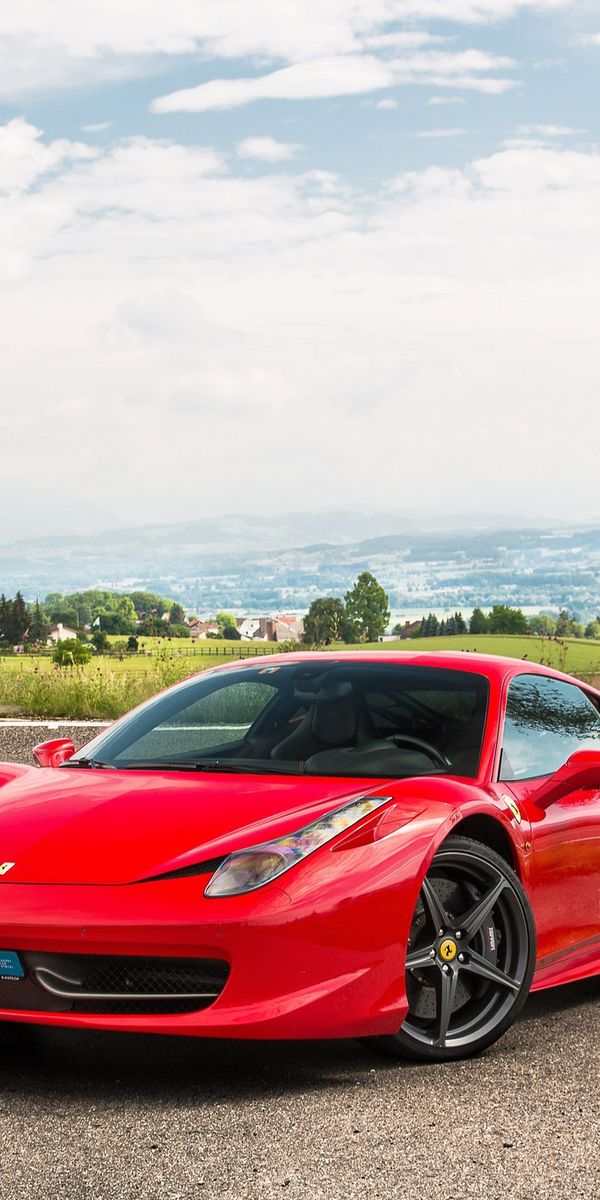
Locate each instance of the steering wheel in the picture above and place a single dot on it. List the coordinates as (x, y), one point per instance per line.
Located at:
(432, 752)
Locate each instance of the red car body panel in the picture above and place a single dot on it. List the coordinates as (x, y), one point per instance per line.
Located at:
(318, 953)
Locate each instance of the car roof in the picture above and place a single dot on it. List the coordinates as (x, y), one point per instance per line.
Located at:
(495, 667)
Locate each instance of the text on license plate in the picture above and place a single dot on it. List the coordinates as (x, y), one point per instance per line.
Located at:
(10, 965)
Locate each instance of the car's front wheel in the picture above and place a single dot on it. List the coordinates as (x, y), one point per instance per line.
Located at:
(470, 958)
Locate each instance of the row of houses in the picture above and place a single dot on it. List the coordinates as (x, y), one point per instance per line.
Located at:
(283, 628)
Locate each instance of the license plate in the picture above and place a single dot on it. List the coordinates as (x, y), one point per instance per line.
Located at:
(10, 965)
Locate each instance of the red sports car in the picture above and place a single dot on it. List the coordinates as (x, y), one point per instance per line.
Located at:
(392, 846)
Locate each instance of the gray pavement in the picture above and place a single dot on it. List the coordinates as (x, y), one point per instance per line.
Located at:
(109, 1115)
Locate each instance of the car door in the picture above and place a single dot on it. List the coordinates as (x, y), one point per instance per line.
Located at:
(546, 721)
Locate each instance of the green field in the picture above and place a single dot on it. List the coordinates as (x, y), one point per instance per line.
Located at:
(109, 685)
(576, 656)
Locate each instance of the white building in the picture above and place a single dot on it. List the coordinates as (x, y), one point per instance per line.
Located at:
(60, 633)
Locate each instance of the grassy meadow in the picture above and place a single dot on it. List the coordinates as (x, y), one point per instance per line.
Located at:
(108, 686)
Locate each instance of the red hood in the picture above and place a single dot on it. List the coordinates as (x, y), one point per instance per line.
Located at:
(111, 827)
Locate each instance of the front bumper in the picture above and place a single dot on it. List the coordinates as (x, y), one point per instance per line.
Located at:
(300, 966)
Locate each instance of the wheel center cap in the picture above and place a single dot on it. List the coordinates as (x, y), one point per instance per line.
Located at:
(448, 950)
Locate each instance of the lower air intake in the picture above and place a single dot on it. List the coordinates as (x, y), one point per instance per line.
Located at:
(114, 984)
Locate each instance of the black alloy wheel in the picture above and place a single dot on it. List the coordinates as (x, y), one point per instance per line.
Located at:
(470, 957)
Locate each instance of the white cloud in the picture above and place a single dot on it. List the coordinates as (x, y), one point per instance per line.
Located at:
(49, 44)
(438, 100)
(24, 157)
(547, 131)
(96, 127)
(588, 39)
(387, 103)
(233, 28)
(410, 39)
(344, 76)
(441, 133)
(316, 78)
(267, 149)
(153, 297)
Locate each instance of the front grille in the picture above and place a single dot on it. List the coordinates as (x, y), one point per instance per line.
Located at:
(112, 984)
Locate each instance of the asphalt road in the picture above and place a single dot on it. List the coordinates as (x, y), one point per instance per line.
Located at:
(109, 1115)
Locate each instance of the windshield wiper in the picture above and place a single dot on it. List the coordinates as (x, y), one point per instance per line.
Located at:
(248, 768)
(222, 765)
(92, 764)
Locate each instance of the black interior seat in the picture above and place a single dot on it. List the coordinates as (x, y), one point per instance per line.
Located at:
(331, 720)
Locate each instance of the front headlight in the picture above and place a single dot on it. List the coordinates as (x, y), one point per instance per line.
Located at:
(248, 869)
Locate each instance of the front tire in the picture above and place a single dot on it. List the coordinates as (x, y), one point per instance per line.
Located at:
(470, 958)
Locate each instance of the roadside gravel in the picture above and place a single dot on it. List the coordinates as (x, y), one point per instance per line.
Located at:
(18, 739)
(111, 1116)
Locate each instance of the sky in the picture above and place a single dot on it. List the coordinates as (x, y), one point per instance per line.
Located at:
(273, 255)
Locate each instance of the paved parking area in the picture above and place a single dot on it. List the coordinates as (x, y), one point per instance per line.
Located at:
(103, 1116)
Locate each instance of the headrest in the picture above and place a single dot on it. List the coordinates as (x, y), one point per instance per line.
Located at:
(335, 719)
(330, 689)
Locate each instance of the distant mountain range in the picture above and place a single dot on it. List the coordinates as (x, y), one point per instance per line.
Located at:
(281, 562)
(61, 525)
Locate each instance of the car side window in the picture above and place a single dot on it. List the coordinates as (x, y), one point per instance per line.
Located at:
(546, 722)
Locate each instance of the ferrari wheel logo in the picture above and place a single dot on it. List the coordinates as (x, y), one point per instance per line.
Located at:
(5, 868)
(448, 950)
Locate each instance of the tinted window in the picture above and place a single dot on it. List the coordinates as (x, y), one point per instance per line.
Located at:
(209, 725)
(546, 722)
(322, 718)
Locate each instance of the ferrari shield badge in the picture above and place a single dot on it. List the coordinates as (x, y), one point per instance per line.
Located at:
(514, 808)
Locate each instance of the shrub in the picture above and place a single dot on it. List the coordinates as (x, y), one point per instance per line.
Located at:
(71, 653)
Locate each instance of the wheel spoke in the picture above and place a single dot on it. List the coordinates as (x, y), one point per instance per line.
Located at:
(472, 920)
(419, 958)
(480, 966)
(445, 990)
(431, 901)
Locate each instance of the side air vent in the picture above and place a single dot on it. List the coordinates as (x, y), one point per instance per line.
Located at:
(208, 867)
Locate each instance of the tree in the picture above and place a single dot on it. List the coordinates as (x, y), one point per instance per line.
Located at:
(117, 620)
(132, 644)
(542, 624)
(100, 640)
(504, 619)
(228, 626)
(478, 623)
(4, 619)
(430, 626)
(125, 609)
(562, 623)
(182, 631)
(64, 616)
(176, 614)
(71, 653)
(147, 602)
(153, 626)
(323, 621)
(460, 623)
(593, 629)
(367, 608)
(14, 619)
(38, 625)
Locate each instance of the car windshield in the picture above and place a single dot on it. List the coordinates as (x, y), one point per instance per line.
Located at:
(335, 718)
